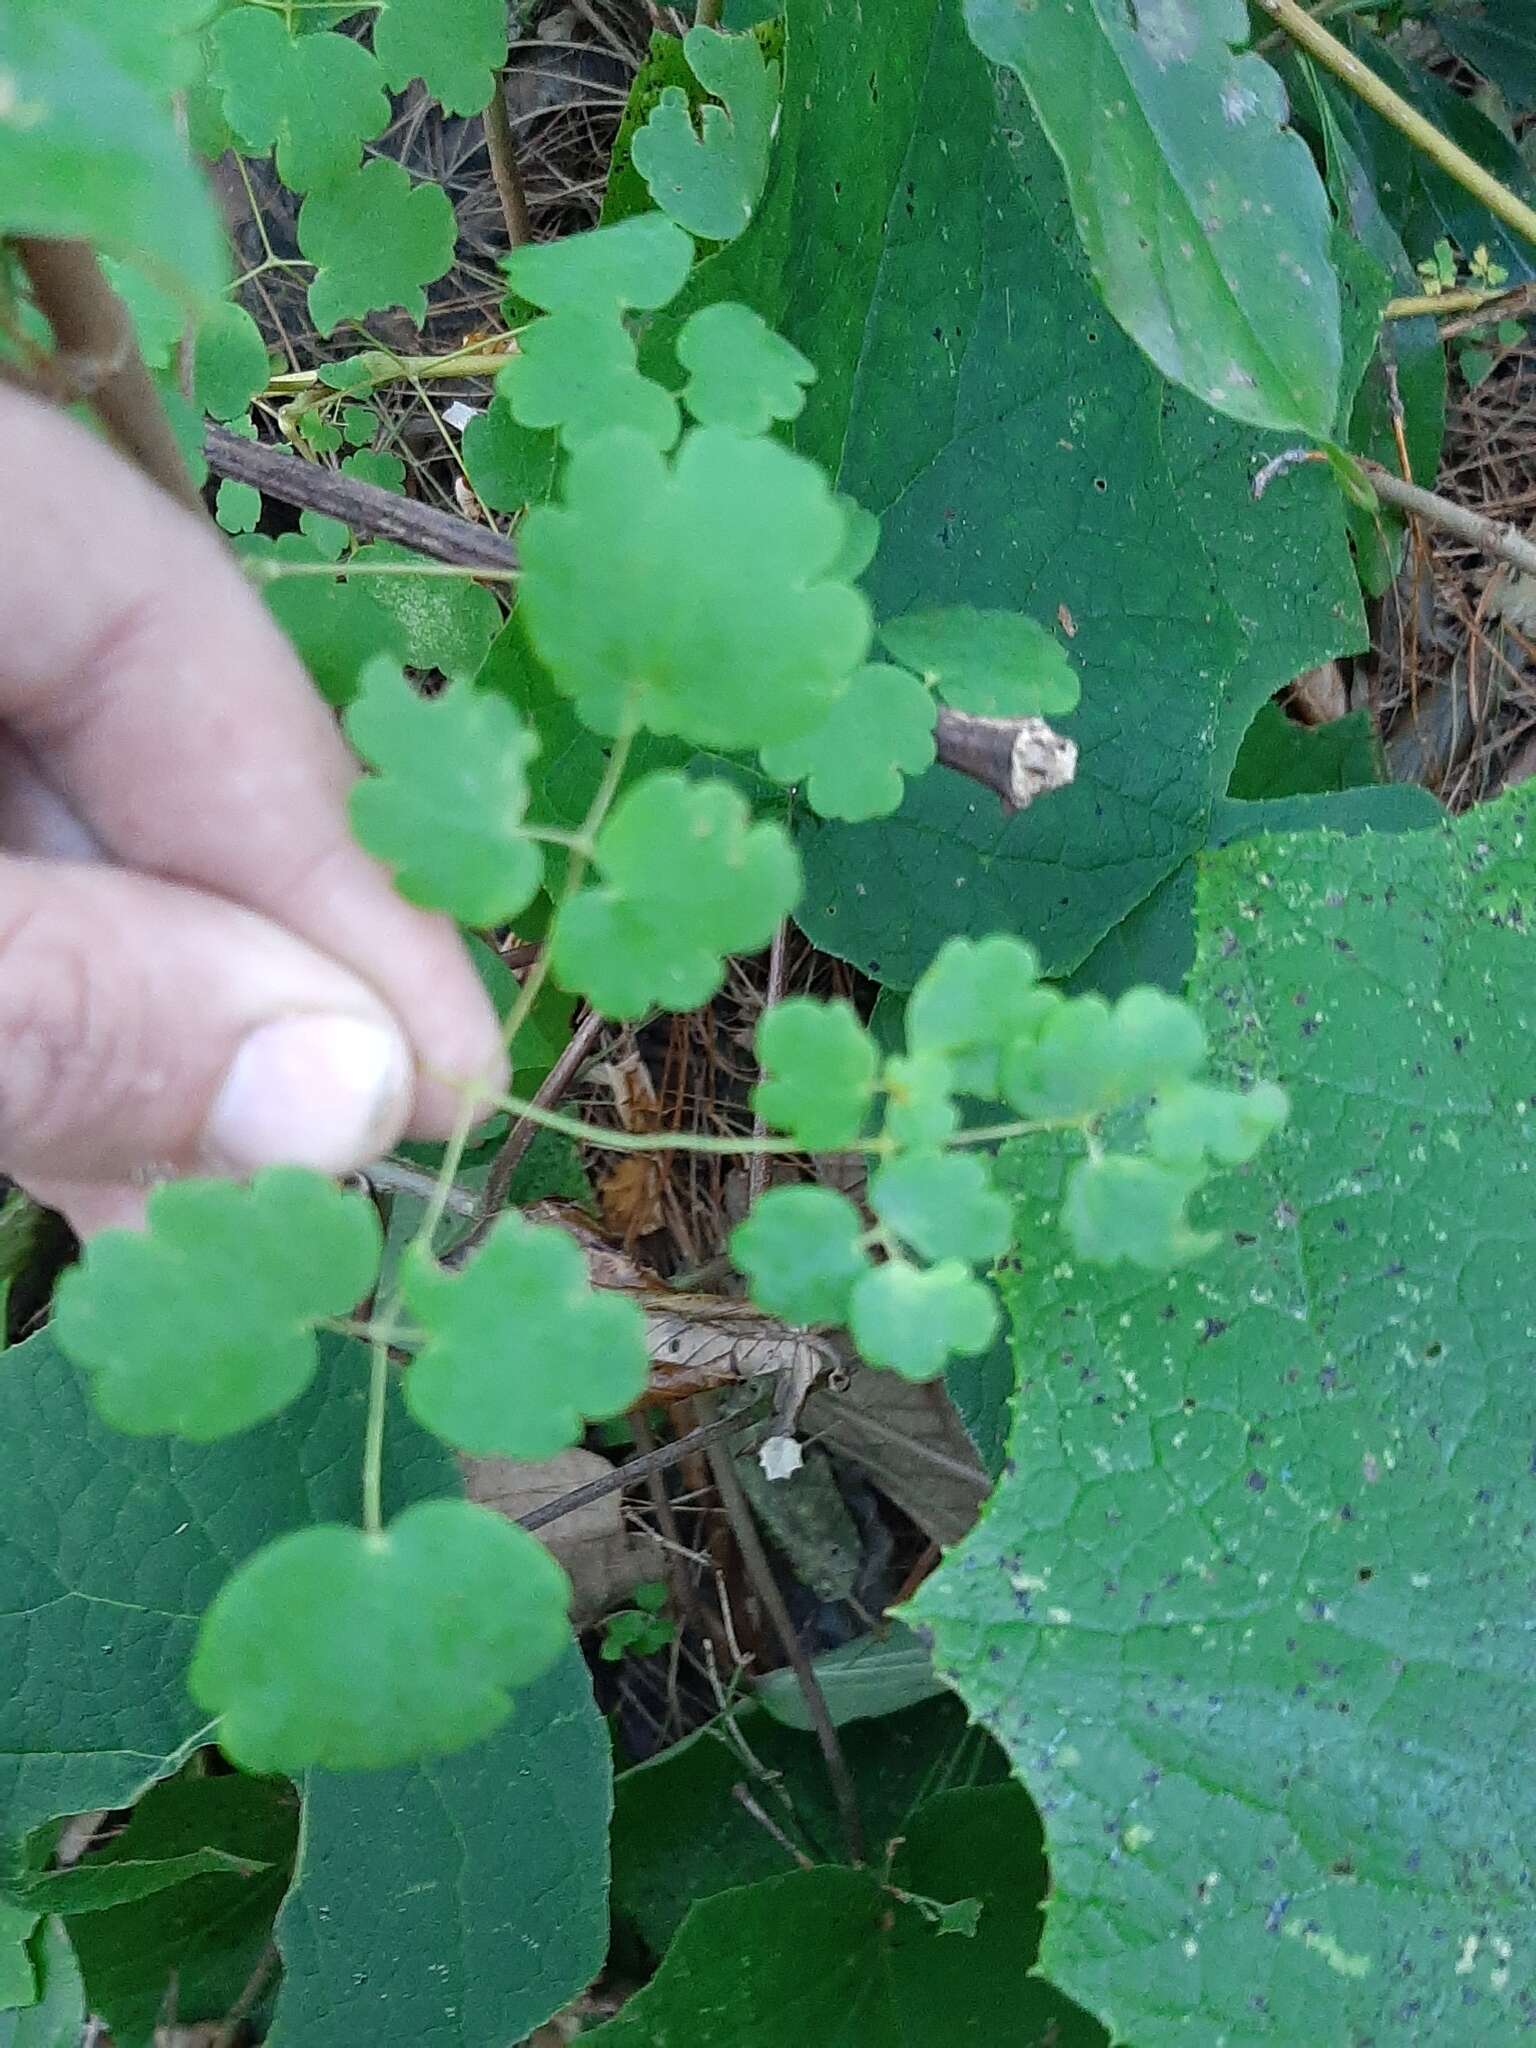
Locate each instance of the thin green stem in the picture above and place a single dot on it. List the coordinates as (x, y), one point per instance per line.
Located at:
(575, 873)
(1440, 305)
(606, 1140)
(1337, 57)
(385, 1328)
(373, 1438)
(483, 360)
(272, 572)
(603, 1139)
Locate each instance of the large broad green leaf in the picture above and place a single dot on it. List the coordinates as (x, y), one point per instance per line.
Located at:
(194, 1946)
(916, 244)
(681, 1833)
(56, 2016)
(1279, 758)
(1499, 37)
(458, 1903)
(1156, 943)
(1422, 201)
(1250, 1611)
(836, 1957)
(111, 1547)
(1202, 213)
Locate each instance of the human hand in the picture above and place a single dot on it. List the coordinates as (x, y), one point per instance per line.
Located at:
(200, 971)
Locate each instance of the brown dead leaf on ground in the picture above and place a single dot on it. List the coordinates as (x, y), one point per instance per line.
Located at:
(605, 1560)
(909, 1442)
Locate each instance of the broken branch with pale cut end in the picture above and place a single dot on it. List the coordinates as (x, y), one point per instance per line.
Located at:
(1021, 758)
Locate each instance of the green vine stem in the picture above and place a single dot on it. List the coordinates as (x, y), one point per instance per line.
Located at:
(373, 1437)
(1336, 57)
(1439, 305)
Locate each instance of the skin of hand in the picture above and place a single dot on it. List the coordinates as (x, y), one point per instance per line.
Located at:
(200, 970)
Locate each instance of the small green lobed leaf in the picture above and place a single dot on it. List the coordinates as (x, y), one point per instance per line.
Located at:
(204, 1324)
(687, 877)
(994, 664)
(576, 370)
(943, 1205)
(455, 47)
(878, 731)
(920, 1090)
(521, 1351)
(975, 997)
(1193, 1123)
(237, 506)
(315, 98)
(381, 466)
(229, 361)
(801, 1249)
(1119, 1207)
(87, 146)
(915, 1319)
(696, 595)
(351, 1651)
(336, 628)
(637, 265)
(446, 809)
(376, 239)
(446, 622)
(819, 1066)
(1086, 1057)
(710, 179)
(509, 466)
(740, 373)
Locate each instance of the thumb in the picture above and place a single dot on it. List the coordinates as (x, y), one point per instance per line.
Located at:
(148, 1028)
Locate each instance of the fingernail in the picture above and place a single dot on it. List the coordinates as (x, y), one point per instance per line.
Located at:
(326, 1092)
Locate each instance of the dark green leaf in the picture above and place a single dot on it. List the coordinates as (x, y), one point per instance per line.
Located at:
(1090, 496)
(1498, 38)
(205, 1937)
(833, 1955)
(1204, 219)
(680, 1835)
(459, 1903)
(1280, 758)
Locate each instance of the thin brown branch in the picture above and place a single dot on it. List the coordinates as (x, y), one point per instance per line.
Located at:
(1019, 759)
(366, 508)
(622, 1476)
(501, 147)
(753, 1556)
(1504, 543)
(97, 359)
(523, 1132)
